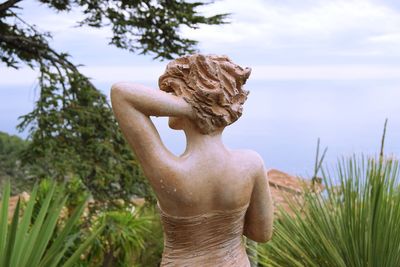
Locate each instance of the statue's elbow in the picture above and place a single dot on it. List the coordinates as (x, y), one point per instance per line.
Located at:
(264, 237)
(260, 236)
(116, 90)
(267, 236)
(119, 94)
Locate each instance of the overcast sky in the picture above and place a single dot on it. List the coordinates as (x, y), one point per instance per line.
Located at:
(321, 68)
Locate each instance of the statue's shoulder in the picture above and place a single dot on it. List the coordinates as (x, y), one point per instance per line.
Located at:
(250, 157)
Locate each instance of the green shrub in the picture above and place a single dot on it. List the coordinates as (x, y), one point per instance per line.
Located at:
(130, 238)
(354, 222)
(11, 147)
(32, 241)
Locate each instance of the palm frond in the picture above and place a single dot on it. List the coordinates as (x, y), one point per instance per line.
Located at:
(353, 223)
(31, 242)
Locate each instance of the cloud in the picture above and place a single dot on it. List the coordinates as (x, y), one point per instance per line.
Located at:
(111, 74)
(389, 38)
(300, 40)
(268, 23)
(149, 74)
(23, 76)
(325, 72)
(62, 25)
(288, 28)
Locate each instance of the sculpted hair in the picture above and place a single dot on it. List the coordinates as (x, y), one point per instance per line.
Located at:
(213, 85)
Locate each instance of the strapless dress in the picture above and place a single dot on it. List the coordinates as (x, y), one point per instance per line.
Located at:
(214, 239)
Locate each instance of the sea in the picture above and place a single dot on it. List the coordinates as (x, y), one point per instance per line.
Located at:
(282, 120)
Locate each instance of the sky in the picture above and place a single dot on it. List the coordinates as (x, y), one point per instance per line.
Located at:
(327, 69)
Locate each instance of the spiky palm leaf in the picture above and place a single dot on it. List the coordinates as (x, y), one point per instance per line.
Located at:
(354, 223)
(28, 243)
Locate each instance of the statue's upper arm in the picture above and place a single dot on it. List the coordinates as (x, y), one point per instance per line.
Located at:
(141, 135)
(259, 216)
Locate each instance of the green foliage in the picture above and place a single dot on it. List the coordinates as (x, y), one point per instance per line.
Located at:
(127, 240)
(74, 134)
(72, 128)
(77, 192)
(153, 245)
(353, 223)
(146, 26)
(10, 147)
(28, 241)
(139, 26)
(10, 163)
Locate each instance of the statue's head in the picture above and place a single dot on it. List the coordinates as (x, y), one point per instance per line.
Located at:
(213, 85)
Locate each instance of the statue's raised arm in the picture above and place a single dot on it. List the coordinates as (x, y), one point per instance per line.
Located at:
(210, 196)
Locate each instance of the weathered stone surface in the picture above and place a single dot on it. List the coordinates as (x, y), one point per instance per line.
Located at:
(210, 195)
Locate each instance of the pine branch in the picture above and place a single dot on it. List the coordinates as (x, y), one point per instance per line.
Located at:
(7, 5)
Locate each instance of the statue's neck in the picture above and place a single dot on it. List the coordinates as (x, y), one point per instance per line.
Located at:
(201, 143)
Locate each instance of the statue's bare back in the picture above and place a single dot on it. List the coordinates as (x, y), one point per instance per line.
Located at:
(210, 196)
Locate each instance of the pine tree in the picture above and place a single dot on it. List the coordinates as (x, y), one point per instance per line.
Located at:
(72, 130)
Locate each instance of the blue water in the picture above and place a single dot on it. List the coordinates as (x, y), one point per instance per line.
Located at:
(282, 120)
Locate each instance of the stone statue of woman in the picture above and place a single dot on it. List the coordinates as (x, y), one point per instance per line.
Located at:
(210, 196)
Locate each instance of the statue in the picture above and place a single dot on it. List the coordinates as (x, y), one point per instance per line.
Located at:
(210, 196)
